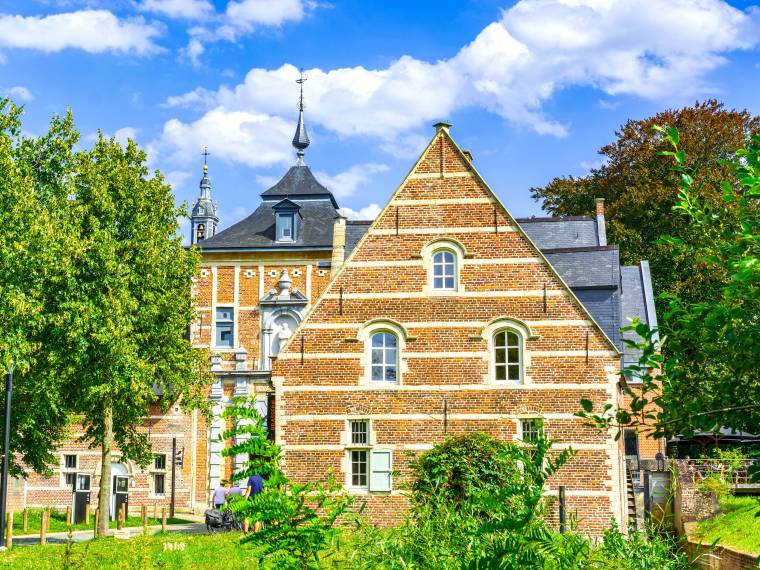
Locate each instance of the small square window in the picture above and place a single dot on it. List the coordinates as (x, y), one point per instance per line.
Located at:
(159, 461)
(159, 481)
(70, 461)
(359, 432)
(531, 430)
(70, 478)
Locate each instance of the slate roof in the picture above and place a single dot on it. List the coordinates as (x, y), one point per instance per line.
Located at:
(610, 292)
(299, 182)
(318, 210)
(355, 229)
(561, 232)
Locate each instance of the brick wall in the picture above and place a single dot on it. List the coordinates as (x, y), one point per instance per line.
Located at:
(445, 340)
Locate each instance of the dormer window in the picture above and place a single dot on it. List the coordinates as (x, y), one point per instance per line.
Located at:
(286, 227)
(286, 220)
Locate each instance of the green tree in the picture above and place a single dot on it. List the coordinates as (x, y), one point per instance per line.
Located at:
(127, 306)
(301, 521)
(709, 378)
(640, 189)
(36, 241)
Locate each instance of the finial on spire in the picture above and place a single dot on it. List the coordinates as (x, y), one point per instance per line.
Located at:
(301, 138)
(205, 155)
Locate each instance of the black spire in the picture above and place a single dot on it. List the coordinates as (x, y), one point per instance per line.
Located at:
(301, 138)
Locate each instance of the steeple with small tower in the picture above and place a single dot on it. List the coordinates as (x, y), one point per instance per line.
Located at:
(204, 218)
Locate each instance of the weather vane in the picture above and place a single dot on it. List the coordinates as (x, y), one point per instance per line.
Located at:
(300, 81)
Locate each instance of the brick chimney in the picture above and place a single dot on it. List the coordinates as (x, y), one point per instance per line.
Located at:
(339, 244)
(601, 228)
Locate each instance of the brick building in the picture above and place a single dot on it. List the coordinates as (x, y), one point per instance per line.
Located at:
(360, 341)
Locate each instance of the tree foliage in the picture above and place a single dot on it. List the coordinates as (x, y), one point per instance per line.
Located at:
(709, 377)
(35, 242)
(302, 522)
(640, 190)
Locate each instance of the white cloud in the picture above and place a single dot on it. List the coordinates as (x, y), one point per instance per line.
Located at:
(193, 51)
(234, 136)
(94, 31)
(183, 9)
(125, 133)
(264, 12)
(19, 94)
(345, 183)
(366, 213)
(643, 48)
(177, 178)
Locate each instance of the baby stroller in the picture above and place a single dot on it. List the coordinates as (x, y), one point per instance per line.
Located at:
(222, 520)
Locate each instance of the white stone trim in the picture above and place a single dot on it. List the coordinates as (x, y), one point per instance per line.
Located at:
(471, 294)
(467, 261)
(439, 231)
(434, 175)
(409, 417)
(449, 324)
(441, 201)
(526, 360)
(447, 387)
(431, 248)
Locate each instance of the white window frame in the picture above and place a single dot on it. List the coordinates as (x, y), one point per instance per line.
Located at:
(444, 265)
(506, 331)
(384, 350)
(158, 471)
(523, 333)
(68, 471)
(231, 321)
(365, 336)
(281, 217)
(428, 253)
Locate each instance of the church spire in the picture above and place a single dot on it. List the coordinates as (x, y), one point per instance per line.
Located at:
(301, 138)
(204, 219)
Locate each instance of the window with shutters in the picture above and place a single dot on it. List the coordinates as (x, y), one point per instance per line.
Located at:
(369, 467)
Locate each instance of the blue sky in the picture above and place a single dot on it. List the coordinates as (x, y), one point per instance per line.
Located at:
(533, 88)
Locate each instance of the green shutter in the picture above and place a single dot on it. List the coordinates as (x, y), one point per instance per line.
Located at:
(380, 464)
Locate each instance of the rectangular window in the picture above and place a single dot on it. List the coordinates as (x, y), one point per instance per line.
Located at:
(358, 468)
(70, 461)
(531, 430)
(70, 478)
(631, 442)
(359, 432)
(225, 327)
(158, 483)
(285, 227)
(380, 464)
(159, 461)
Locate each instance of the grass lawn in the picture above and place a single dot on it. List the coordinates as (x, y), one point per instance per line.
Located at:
(201, 552)
(737, 526)
(58, 522)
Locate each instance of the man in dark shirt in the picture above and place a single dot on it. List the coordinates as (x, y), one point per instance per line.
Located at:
(254, 486)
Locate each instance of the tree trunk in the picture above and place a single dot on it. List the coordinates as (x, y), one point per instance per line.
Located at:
(104, 497)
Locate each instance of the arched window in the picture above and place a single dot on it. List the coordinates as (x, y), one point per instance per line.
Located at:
(508, 355)
(384, 357)
(201, 234)
(444, 270)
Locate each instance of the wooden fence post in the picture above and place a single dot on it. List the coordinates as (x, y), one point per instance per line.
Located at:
(144, 513)
(26, 520)
(97, 517)
(9, 529)
(68, 515)
(119, 516)
(87, 514)
(43, 527)
(163, 519)
(124, 513)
